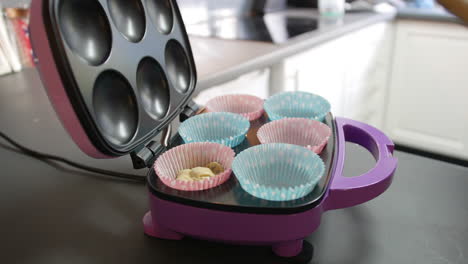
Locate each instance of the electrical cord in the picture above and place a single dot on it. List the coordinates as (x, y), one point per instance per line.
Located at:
(45, 156)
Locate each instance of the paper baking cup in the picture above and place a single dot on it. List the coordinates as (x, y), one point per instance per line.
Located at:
(248, 106)
(278, 172)
(304, 132)
(297, 104)
(193, 155)
(224, 128)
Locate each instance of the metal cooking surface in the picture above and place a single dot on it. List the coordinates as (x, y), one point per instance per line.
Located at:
(230, 195)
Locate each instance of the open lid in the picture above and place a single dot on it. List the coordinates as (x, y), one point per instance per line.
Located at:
(117, 71)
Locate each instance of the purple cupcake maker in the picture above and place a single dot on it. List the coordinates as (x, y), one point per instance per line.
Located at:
(118, 72)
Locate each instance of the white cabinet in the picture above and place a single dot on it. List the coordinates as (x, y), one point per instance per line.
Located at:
(351, 72)
(367, 73)
(428, 98)
(319, 70)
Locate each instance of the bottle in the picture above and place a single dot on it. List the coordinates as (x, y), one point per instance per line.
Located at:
(332, 8)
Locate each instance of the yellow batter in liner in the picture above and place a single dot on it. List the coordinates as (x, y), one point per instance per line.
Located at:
(200, 173)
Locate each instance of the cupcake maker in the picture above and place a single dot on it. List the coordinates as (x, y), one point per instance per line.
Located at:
(119, 72)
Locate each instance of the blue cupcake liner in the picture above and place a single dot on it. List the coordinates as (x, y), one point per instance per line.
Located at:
(224, 128)
(297, 104)
(277, 171)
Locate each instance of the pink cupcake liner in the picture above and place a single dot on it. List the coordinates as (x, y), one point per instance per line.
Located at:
(192, 155)
(304, 132)
(249, 106)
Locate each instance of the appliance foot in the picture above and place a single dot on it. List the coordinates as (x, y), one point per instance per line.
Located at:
(298, 251)
(154, 230)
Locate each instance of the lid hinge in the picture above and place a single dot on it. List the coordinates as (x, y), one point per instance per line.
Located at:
(190, 110)
(146, 156)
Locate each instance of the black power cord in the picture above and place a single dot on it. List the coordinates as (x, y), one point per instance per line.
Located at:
(45, 156)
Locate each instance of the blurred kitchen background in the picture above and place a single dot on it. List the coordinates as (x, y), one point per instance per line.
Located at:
(397, 65)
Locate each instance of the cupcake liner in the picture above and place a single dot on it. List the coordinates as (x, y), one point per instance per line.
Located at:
(193, 155)
(297, 104)
(224, 128)
(208, 194)
(248, 106)
(278, 172)
(304, 132)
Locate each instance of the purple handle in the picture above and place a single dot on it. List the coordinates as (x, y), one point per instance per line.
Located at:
(349, 191)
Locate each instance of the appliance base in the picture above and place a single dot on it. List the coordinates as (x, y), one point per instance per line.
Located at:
(154, 230)
(285, 233)
(295, 251)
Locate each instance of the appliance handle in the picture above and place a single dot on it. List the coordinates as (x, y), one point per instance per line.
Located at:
(349, 191)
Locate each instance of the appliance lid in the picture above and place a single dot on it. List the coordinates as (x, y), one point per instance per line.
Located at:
(125, 66)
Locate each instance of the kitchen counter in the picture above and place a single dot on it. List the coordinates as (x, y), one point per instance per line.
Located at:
(219, 61)
(436, 14)
(51, 214)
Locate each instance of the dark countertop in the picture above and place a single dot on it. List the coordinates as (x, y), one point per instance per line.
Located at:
(54, 215)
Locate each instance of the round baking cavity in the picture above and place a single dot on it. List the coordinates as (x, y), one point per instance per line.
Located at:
(153, 88)
(115, 107)
(129, 18)
(86, 30)
(297, 104)
(192, 155)
(177, 66)
(160, 12)
(305, 132)
(248, 106)
(225, 128)
(278, 172)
